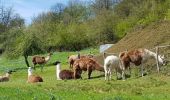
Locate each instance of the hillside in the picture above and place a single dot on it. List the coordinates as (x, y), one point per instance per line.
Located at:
(155, 34)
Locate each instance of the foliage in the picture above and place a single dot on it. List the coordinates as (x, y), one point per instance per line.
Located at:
(80, 25)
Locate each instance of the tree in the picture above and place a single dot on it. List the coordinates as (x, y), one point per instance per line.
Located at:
(25, 44)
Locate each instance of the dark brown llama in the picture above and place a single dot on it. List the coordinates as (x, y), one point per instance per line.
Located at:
(65, 74)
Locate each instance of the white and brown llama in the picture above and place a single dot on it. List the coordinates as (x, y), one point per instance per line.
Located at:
(40, 60)
(111, 63)
(5, 78)
(33, 78)
(139, 57)
(65, 74)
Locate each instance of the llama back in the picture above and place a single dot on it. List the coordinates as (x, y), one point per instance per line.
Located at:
(39, 60)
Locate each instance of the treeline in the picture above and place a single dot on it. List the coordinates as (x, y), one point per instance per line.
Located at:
(79, 24)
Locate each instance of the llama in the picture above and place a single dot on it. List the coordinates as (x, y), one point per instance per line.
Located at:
(33, 78)
(72, 58)
(64, 74)
(138, 57)
(113, 62)
(86, 64)
(5, 77)
(41, 60)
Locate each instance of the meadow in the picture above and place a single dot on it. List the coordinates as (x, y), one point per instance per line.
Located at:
(150, 87)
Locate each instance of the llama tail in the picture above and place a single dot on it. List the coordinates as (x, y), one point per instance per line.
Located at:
(104, 55)
(33, 60)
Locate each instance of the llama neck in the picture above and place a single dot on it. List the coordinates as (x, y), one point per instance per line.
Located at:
(47, 58)
(7, 75)
(29, 73)
(153, 55)
(58, 71)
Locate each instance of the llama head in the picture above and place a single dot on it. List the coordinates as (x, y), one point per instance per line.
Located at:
(56, 63)
(161, 60)
(9, 71)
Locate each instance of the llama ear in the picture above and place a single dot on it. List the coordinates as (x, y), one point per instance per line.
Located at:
(162, 56)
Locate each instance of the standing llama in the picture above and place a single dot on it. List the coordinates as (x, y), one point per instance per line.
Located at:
(113, 62)
(86, 64)
(33, 78)
(138, 57)
(41, 60)
(65, 74)
(73, 58)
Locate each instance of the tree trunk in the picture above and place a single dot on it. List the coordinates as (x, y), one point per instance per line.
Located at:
(26, 60)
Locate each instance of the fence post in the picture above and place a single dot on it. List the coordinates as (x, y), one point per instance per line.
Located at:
(157, 62)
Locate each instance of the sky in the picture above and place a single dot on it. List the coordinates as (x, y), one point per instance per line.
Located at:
(29, 8)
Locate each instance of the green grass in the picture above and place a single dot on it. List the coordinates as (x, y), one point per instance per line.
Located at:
(149, 87)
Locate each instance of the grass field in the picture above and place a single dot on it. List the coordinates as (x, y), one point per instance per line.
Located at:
(150, 87)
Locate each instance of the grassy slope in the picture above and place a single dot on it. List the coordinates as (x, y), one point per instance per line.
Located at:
(149, 37)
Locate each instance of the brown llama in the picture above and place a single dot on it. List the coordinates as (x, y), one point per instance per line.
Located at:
(138, 57)
(64, 74)
(86, 64)
(41, 60)
(33, 78)
(73, 58)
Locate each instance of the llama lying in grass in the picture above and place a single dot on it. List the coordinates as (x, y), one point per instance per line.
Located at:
(73, 58)
(113, 62)
(138, 57)
(65, 74)
(33, 78)
(41, 60)
(86, 64)
(5, 78)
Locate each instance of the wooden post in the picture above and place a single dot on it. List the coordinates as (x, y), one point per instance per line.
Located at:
(157, 62)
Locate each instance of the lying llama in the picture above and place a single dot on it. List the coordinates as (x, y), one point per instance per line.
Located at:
(41, 60)
(138, 57)
(73, 58)
(65, 74)
(5, 78)
(113, 62)
(86, 64)
(33, 78)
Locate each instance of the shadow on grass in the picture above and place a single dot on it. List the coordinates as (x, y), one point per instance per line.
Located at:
(94, 77)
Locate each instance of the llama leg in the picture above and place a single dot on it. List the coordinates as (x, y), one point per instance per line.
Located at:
(74, 74)
(123, 73)
(89, 72)
(105, 74)
(122, 66)
(110, 74)
(117, 74)
(130, 71)
(142, 70)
